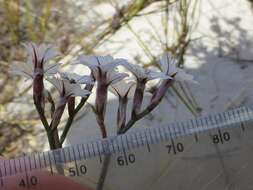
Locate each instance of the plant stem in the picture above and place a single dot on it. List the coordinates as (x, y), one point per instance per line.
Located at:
(72, 116)
(51, 140)
(66, 129)
(42, 115)
(104, 171)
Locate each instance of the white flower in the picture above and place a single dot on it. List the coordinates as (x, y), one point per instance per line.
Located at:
(144, 74)
(169, 67)
(122, 88)
(115, 76)
(68, 89)
(103, 67)
(37, 62)
(75, 78)
(23, 69)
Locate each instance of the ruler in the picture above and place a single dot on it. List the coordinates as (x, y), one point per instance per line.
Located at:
(208, 152)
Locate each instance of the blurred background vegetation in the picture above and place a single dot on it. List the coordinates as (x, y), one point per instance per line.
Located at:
(88, 27)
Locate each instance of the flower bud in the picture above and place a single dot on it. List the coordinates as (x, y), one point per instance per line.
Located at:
(121, 115)
(101, 95)
(138, 97)
(38, 89)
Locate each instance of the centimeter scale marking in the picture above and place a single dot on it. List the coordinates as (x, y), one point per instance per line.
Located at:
(122, 143)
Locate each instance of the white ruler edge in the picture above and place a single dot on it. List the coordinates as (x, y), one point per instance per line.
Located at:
(128, 141)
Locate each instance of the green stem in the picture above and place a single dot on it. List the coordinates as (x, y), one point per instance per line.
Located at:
(71, 119)
(140, 41)
(184, 101)
(66, 129)
(188, 97)
(76, 110)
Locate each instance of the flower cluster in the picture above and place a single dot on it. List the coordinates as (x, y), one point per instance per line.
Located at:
(104, 76)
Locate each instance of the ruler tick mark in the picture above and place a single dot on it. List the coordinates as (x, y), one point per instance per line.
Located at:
(74, 155)
(15, 165)
(69, 154)
(136, 140)
(117, 147)
(123, 149)
(84, 154)
(20, 167)
(87, 145)
(26, 174)
(10, 170)
(39, 161)
(93, 149)
(79, 153)
(99, 154)
(127, 143)
(151, 139)
(111, 144)
(44, 159)
(160, 134)
(63, 156)
(30, 164)
(191, 126)
(156, 137)
(50, 164)
(34, 159)
(1, 179)
(141, 137)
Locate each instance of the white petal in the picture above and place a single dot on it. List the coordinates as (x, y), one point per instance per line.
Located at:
(15, 72)
(136, 70)
(155, 75)
(74, 89)
(164, 62)
(50, 53)
(168, 64)
(40, 50)
(90, 61)
(106, 67)
(30, 47)
(173, 68)
(104, 59)
(80, 79)
(70, 76)
(86, 80)
(116, 77)
(121, 87)
(51, 69)
(21, 68)
(56, 82)
(80, 92)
